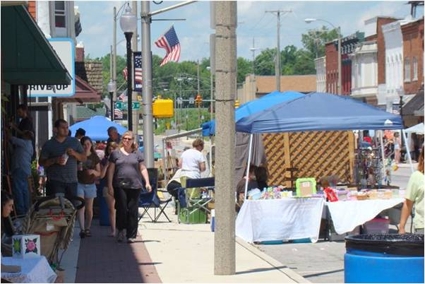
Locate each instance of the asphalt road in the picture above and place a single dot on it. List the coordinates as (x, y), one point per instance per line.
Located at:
(323, 262)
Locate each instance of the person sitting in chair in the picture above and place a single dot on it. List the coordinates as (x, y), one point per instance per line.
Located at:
(192, 161)
(261, 176)
(174, 183)
(240, 187)
(7, 231)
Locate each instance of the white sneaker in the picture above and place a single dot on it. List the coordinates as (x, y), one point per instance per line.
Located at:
(120, 236)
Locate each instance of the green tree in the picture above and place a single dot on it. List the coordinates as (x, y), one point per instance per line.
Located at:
(304, 63)
(288, 60)
(265, 62)
(314, 41)
(244, 68)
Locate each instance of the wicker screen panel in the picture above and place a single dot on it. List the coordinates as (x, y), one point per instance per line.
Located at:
(309, 154)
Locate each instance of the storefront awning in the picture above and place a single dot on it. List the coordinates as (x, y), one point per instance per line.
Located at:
(27, 56)
(413, 106)
(84, 94)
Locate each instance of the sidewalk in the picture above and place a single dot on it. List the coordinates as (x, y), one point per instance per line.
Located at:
(167, 253)
(185, 253)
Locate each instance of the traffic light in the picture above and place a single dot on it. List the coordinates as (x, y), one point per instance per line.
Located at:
(198, 100)
(237, 103)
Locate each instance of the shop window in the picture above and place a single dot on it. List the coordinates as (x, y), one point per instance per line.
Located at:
(60, 15)
(407, 70)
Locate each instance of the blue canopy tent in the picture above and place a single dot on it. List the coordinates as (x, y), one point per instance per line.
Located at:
(97, 127)
(242, 139)
(254, 106)
(318, 112)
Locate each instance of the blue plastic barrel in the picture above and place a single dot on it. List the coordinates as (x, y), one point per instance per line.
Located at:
(389, 258)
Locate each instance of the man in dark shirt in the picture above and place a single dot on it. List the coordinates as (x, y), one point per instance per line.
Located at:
(59, 156)
(113, 134)
(80, 133)
(25, 124)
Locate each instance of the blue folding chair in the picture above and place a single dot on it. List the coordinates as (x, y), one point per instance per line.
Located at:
(150, 199)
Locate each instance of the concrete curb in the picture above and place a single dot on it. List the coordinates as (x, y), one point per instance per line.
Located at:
(273, 262)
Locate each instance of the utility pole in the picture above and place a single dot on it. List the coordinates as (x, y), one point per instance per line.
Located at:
(148, 140)
(146, 15)
(199, 92)
(277, 63)
(253, 49)
(224, 237)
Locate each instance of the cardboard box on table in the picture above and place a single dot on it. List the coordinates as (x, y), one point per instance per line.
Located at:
(26, 246)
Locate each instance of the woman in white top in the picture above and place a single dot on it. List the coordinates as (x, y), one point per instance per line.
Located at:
(192, 161)
(397, 147)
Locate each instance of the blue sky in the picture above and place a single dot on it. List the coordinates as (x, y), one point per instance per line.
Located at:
(254, 23)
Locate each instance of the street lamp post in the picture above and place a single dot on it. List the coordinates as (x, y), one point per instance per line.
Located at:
(128, 23)
(112, 87)
(339, 83)
(400, 93)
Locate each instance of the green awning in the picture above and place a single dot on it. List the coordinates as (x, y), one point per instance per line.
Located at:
(28, 58)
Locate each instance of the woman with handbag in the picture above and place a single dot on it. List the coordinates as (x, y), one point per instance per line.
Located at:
(88, 172)
(125, 172)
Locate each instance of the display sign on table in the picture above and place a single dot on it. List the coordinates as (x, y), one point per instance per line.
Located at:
(26, 246)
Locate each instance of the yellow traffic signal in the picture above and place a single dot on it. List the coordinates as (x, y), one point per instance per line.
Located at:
(237, 103)
(198, 100)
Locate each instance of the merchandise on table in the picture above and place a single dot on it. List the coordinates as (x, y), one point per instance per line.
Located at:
(271, 192)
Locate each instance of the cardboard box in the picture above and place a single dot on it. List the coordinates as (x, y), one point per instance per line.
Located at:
(26, 246)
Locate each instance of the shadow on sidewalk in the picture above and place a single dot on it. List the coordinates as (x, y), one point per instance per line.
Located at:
(102, 260)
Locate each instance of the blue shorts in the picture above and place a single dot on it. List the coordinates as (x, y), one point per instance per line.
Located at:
(86, 190)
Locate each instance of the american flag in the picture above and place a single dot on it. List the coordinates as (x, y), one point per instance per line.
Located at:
(123, 96)
(137, 57)
(137, 70)
(125, 73)
(118, 114)
(171, 44)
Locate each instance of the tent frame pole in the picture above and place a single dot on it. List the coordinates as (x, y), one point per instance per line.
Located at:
(407, 150)
(384, 172)
(249, 164)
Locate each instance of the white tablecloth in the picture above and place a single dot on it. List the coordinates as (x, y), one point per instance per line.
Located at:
(33, 270)
(280, 219)
(347, 215)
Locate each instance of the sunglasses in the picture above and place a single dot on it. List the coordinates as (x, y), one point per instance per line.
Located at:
(127, 139)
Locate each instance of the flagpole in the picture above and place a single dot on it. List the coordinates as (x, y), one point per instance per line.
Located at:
(147, 77)
(148, 139)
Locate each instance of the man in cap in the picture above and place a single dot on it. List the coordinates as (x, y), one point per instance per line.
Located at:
(113, 134)
(80, 133)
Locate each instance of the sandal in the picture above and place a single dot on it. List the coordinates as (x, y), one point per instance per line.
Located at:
(87, 233)
(82, 234)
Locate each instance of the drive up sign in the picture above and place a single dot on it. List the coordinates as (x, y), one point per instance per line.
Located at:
(65, 50)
